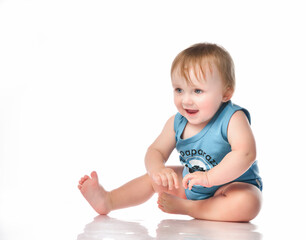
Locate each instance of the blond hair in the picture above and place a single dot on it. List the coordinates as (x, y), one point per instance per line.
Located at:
(198, 55)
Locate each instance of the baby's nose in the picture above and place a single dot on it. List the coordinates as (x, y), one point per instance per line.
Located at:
(187, 100)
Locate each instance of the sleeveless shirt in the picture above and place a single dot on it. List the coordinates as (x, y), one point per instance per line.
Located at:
(206, 149)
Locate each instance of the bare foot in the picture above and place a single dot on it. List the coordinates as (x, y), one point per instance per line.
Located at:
(172, 204)
(95, 194)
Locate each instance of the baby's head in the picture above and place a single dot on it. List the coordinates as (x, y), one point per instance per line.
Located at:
(200, 58)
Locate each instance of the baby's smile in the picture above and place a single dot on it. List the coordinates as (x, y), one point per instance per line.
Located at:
(191, 111)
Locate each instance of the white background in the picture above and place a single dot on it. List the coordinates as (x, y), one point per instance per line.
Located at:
(85, 85)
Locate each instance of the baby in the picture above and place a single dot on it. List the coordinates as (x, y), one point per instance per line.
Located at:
(219, 178)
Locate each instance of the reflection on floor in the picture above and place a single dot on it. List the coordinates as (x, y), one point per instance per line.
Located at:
(104, 227)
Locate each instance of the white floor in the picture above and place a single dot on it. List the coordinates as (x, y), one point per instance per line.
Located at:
(104, 227)
(62, 218)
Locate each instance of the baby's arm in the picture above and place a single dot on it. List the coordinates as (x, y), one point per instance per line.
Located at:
(236, 162)
(157, 155)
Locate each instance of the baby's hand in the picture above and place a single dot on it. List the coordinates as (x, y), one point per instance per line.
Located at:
(196, 178)
(167, 178)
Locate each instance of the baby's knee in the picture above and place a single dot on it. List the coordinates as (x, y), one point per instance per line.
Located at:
(246, 200)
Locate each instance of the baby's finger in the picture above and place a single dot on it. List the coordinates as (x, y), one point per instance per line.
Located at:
(170, 181)
(164, 180)
(176, 181)
(186, 180)
(191, 183)
(194, 181)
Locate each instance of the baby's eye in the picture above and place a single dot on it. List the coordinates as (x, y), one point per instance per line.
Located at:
(178, 90)
(198, 91)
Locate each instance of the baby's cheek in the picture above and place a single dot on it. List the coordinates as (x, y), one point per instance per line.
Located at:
(209, 109)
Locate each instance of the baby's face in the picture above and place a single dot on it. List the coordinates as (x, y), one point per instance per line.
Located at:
(198, 102)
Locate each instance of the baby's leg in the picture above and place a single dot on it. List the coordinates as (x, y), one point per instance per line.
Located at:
(235, 202)
(130, 194)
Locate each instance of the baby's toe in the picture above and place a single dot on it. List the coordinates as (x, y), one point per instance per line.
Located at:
(83, 179)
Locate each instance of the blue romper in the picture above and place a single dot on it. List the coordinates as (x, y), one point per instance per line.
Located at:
(206, 150)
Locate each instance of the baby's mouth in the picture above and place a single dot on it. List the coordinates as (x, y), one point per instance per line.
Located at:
(191, 111)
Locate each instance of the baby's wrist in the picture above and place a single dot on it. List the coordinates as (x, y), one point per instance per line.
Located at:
(155, 169)
(206, 180)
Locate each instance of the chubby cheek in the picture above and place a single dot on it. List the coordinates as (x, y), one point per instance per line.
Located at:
(209, 107)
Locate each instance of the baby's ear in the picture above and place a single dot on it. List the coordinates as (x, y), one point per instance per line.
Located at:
(228, 93)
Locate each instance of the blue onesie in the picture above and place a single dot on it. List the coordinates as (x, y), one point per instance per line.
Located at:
(206, 149)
